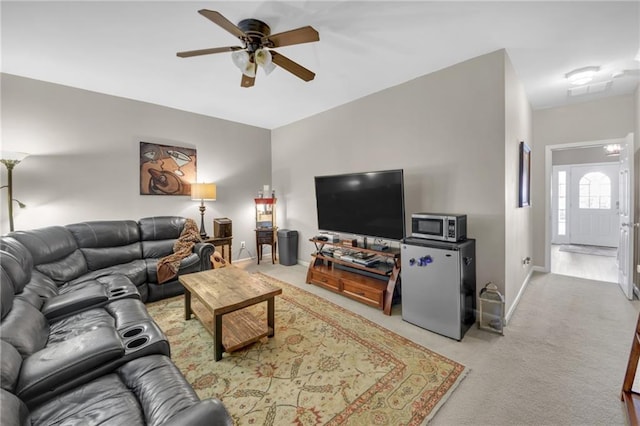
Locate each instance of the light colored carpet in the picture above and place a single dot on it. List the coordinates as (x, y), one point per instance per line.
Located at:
(561, 361)
(325, 365)
(592, 250)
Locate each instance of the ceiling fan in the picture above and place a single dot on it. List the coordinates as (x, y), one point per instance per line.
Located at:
(257, 41)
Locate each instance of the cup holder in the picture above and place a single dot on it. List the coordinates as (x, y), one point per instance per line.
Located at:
(145, 337)
(132, 332)
(136, 343)
(118, 291)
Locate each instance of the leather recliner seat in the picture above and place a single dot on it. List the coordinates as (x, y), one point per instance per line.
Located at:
(60, 354)
(144, 391)
(76, 342)
(113, 254)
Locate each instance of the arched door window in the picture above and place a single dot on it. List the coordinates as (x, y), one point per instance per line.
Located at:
(595, 191)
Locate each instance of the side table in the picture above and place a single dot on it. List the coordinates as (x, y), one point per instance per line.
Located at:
(266, 237)
(221, 242)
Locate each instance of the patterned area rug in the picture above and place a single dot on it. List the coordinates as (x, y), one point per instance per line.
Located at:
(325, 365)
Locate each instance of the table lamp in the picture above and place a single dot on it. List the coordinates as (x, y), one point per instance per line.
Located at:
(203, 192)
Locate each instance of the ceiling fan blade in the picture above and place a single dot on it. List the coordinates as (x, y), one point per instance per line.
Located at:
(247, 81)
(293, 67)
(190, 53)
(300, 35)
(217, 18)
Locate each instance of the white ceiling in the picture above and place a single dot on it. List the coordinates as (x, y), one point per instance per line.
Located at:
(129, 49)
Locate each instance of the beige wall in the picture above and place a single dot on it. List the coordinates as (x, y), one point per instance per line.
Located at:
(84, 163)
(445, 129)
(607, 118)
(518, 221)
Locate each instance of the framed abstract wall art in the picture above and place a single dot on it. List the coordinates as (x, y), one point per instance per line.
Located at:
(166, 170)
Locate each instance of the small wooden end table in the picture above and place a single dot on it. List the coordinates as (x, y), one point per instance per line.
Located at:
(220, 298)
(221, 242)
(267, 236)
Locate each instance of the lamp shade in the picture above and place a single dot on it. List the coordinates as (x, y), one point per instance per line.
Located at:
(263, 58)
(242, 60)
(13, 156)
(203, 191)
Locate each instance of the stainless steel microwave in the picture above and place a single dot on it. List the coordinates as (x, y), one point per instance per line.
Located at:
(439, 226)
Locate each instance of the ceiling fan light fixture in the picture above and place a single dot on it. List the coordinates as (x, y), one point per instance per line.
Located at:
(256, 39)
(582, 76)
(268, 69)
(264, 59)
(250, 69)
(240, 59)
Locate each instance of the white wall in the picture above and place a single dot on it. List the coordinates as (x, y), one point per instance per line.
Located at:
(84, 162)
(518, 220)
(607, 118)
(445, 129)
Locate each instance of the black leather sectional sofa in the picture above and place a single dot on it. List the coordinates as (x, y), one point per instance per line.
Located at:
(77, 345)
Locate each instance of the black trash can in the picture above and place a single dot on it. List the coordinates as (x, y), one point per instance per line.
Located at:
(288, 246)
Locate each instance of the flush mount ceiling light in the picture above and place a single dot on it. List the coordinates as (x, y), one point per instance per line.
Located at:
(582, 75)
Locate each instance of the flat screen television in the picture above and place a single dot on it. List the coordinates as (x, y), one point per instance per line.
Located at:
(369, 204)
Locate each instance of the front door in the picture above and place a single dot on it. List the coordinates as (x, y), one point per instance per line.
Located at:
(625, 247)
(594, 205)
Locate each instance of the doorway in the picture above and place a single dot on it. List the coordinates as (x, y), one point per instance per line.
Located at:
(584, 212)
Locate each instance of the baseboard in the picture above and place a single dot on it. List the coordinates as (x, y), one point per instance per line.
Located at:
(512, 309)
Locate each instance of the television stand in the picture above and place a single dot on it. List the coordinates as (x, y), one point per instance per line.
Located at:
(335, 267)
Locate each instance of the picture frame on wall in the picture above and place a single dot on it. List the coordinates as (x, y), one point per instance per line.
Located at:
(166, 169)
(524, 187)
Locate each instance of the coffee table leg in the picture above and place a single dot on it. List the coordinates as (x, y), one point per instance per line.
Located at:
(271, 318)
(187, 304)
(217, 338)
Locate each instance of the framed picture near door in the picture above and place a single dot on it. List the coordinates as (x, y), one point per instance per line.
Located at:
(524, 188)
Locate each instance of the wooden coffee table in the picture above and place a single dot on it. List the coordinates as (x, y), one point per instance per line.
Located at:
(219, 297)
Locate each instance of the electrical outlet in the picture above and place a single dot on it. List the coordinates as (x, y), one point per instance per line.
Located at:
(242, 245)
(638, 268)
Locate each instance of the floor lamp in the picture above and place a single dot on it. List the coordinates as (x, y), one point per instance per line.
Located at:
(10, 160)
(203, 192)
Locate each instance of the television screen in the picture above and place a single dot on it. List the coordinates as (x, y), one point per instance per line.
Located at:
(369, 204)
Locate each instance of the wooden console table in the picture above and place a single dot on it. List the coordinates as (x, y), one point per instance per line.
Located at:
(373, 285)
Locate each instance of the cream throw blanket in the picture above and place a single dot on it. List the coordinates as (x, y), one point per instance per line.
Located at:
(183, 247)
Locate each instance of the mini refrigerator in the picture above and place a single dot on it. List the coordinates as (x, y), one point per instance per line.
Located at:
(439, 285)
